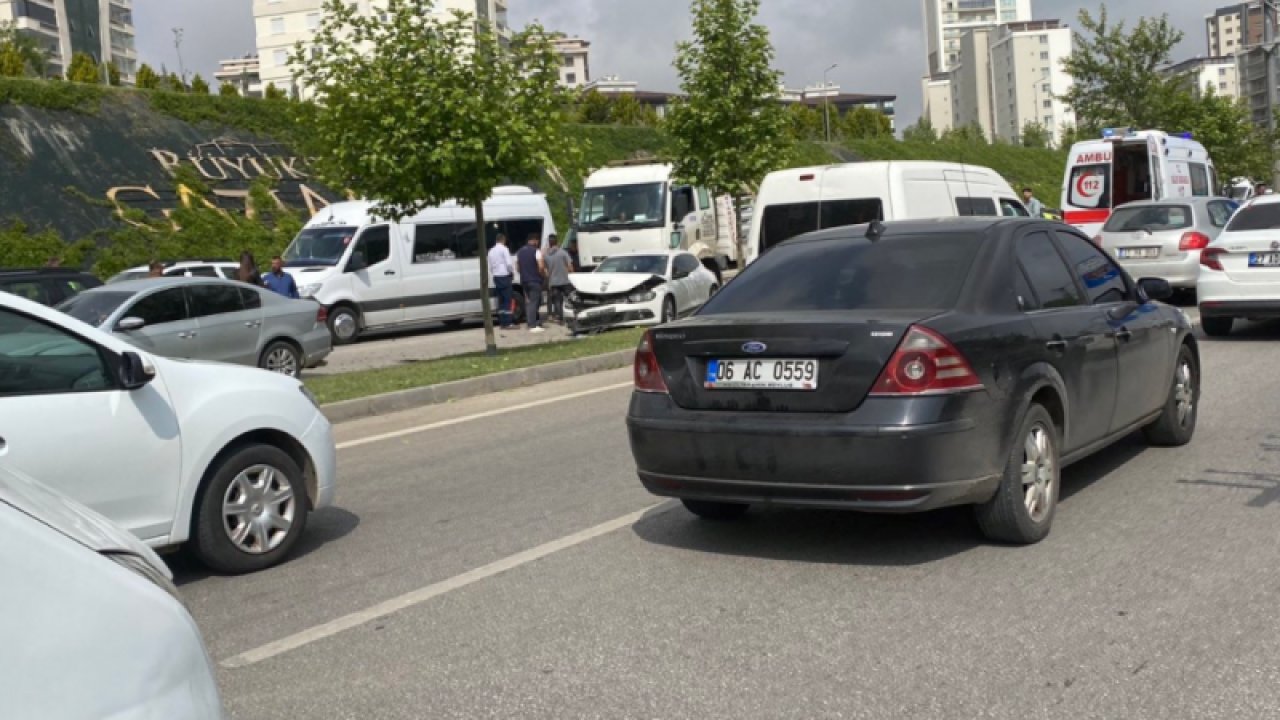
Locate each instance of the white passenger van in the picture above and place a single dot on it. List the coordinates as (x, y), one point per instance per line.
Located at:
(372, 273)
(801, 200)
(638, 207)
(1125, 165)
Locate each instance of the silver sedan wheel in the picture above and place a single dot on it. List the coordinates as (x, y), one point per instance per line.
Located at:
(282, 360)
(1038, 472)
(258, 509)
(1184, 393)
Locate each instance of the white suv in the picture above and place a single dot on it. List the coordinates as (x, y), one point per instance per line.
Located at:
(184, 268)
(1240, 269)
(229, 459)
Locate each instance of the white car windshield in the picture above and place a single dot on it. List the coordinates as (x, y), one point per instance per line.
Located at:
(648, 264)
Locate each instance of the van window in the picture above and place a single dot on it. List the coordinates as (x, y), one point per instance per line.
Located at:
(1199, 180)
(375, 243)
(1090, 186)
(433, 243)
(973, 207)
(783, 222)
(1013, 208)
(842, 213)
(704, 198)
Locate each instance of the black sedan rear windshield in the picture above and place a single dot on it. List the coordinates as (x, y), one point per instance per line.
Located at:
(897, 273)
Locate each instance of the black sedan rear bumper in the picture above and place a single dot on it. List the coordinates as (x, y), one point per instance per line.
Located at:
(859, 461)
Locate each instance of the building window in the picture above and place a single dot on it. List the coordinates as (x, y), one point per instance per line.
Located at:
(568, 61)
(313, 21)
(1048, 104)
(1222, 86)
(1222, 72)
(1044, 55)
(1045, 88)
(277, 26)
(571, 79)
(282, 58)
(1044, 39)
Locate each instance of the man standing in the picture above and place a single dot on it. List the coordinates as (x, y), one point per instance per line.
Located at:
(533, 273)
(501, 268)
(280, 282)
(1034, 206)
(559, 265)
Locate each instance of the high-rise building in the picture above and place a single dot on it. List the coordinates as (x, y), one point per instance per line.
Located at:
(101, 29)
(971, 82)
(1234, 28)
(243, 73)
(282, 24)
(947, 20)
(575, 61)
(1221, 74)
(1027, 78)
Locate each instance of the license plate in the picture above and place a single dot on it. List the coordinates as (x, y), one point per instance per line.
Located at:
(1138, 253)
(762, 375)
(1264, 259)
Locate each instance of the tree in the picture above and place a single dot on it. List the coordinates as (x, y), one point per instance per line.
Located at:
(1068, 135)
(456, 114)
(147, 78)
(862, 123)
(627, 110)
(173, 83)
(1224, 126)
(594, 108)
(113, 75)
(922, 132)
(227, 89)
(730, 131)
(271, 92)
(1117, 79)
(84, 69)
(20, 54)
(806, 122)
(1035, 135)
(966, 134)
(199, 86)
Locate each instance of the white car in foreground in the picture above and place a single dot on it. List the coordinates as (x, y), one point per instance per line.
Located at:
(226, 458)
(92, 625)
(639, 289)
(1240, 270)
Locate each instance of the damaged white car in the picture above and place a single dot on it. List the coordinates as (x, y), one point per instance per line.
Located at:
(639, 289)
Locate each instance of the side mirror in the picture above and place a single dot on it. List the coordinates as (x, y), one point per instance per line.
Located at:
(357, 263)
(1156, 288)
(130, 324)
(677, 239)
(135, 372)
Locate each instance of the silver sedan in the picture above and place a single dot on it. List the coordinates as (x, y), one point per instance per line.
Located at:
(208, 319)
(1163, 238)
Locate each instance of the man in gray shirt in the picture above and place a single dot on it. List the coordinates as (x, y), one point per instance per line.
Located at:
(559, 265)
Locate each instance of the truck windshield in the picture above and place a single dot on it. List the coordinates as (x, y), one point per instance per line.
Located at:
(318, 246)
(649, 264)
(624, 206)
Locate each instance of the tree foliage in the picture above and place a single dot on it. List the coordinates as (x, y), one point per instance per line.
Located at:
(84, 69)
(148, 78)
(413, 111)
(730, 130)
(805, 121)
(113, 75)
(20, 247)
(20, 54)
(173, 83)
(227, 89)
(1036, 135)
(921, 133)
(271, 92)
(594, 108)
(625, 109)
(199, 86)
(862, 123)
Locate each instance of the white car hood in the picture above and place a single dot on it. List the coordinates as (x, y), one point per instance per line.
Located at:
(609, 283)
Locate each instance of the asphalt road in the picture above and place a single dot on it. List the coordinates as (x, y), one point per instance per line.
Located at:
(496, 558)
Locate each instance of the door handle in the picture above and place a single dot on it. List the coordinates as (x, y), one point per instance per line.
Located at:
(389, 272)
(253, 324)
(1056, 346)
(1123, 335)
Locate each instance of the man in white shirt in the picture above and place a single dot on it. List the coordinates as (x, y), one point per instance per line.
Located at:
(502, 270)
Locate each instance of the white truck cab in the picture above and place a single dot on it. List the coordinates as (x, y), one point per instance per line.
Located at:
(1125, 165)
(801, 200)
(373, 273)
(638, 207)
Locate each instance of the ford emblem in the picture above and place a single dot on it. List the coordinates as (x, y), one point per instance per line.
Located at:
(755, 348)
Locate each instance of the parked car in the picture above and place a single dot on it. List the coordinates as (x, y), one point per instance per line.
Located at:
(227, 459)
(909, 366)
(183, 268)
(93, 623)
(47, 286)
(1163, 238)
(220, 320)
(640, 289)
(1240, 270)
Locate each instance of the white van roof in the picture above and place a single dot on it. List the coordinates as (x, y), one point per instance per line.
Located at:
(850, 179)
(629, 175)
(359, 212)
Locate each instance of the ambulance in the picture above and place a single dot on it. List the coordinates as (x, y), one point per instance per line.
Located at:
(1127, 165)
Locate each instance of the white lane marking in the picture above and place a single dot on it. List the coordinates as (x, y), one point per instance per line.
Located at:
(417, 597)
(478, 416)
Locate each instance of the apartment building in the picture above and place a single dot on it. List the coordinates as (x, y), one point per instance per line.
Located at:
(282, 24)
(971, 95)
(575, 61)
(1235, 28)
(101, 29)
(244, 73)
(1221, 74)
(1027, 78)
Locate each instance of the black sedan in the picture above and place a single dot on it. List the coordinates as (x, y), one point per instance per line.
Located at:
(909, 366)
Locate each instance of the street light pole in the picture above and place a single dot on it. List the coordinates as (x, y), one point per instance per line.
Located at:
(826, 104)
(177, 45)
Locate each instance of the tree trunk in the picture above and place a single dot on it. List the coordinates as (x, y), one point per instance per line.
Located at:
(741, 240)
(486, 306)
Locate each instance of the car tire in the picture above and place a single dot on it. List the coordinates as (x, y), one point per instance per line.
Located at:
(241, 478)
(718, 511)
(1217, 326)
(344, 325)
(668, 310)
(1014, 515)
(282, 357)
(1177, 423)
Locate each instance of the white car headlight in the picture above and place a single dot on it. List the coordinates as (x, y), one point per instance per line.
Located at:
(146, 570)
(643, 296)
(307, 291)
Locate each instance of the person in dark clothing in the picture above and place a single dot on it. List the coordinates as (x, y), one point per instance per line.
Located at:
(533, 273)
(280, 282)
(248, 272)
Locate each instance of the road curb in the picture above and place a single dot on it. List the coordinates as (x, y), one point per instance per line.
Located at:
(375, 405)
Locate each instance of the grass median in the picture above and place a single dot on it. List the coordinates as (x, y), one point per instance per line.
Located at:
(354, 385)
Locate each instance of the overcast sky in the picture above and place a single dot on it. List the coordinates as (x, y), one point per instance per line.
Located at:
(878, 44)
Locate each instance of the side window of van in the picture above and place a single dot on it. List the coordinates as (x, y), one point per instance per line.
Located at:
(375, 245)
(783, 222)
(1199, 180)
(433, 243)
(971, 206)
(842, 213)
(704, 198)
(1013, 208)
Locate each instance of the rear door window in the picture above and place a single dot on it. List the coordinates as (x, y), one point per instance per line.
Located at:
(1101, 278)
(1089, 186)
(973, 207)
(1157, 218)
(843, 213)
(1047, 273)
(207, 300)
(783, 222)
(852, 273)
(1199, 180)
(252, 299)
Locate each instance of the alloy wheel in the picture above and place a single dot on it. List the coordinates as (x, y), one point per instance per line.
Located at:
(258, 509)
(283, 360)
(1038, 472)
(1184, 393)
